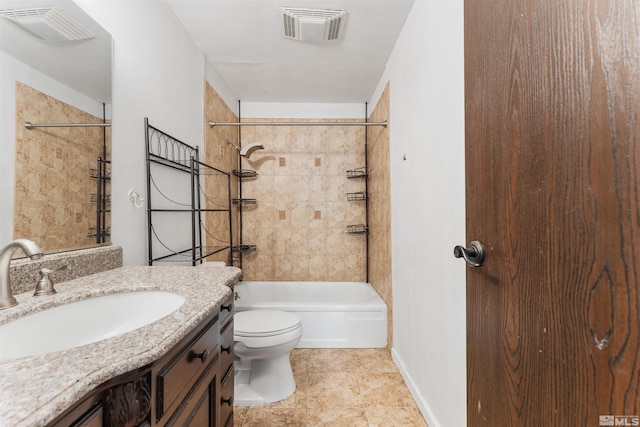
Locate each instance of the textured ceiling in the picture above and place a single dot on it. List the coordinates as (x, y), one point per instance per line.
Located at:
(243, 42)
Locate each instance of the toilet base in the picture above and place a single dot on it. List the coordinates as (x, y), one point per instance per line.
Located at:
(263, 381)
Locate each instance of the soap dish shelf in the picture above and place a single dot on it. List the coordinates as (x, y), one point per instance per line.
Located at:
(357, 229)
(93, 173)
(245, 173)
(245, 202)
(244, 248)
(357, 173)
(358, 196)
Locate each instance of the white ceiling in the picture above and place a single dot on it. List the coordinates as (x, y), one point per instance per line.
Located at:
(242, 41)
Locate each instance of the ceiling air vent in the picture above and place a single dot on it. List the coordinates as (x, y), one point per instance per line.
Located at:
(313, 25)
(47, 23)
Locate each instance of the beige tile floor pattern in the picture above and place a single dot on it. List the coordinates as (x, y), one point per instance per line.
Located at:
(339, 387)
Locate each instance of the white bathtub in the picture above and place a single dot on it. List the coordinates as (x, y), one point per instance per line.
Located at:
(333, 314)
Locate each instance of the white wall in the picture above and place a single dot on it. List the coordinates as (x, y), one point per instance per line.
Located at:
(221, 88)
(426, 76)
(158, 72)
(302, 110)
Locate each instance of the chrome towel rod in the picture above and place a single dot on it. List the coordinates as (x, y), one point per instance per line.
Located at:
(212, 124)
(30, 125)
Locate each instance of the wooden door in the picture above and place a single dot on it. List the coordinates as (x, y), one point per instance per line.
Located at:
(552, 94)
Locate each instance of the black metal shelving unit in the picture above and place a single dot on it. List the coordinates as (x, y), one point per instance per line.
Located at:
(165, 152)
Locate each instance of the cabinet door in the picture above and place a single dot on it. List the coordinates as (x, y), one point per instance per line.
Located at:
(92, 418)
(226, 398)
(200, 407)
(204, 414)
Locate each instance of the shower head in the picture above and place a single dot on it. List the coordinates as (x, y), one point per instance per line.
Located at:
(246, 151)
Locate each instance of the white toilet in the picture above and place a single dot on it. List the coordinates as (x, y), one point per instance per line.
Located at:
(263, 340)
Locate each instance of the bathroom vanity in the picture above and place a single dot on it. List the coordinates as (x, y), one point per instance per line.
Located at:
(175, 371)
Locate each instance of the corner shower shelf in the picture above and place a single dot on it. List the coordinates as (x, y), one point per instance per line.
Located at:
(93, 231)
(102, 198)
(358, 196)
(244, 248)
(245, 202)
(245, 173)
(93, 173)
(106, 198)
(357, 229)
(357, 173)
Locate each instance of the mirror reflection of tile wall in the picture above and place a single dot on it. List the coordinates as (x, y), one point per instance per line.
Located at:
(53, 187)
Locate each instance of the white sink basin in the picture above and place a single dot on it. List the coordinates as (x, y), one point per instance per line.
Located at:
(84, 322)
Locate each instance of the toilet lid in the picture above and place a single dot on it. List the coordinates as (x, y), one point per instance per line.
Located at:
(254, 323)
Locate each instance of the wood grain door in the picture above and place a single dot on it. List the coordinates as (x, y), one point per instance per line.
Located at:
(552, 93)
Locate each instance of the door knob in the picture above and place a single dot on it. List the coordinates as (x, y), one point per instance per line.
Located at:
(473, 255)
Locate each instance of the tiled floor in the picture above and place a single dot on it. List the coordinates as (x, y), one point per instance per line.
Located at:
(339, 387)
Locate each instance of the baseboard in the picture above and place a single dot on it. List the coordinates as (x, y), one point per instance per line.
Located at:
(423, 406)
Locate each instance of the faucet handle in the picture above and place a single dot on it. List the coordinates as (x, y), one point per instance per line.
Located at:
(45, 284)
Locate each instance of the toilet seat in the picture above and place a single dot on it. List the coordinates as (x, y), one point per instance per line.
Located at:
(265, 328)
(261, 323)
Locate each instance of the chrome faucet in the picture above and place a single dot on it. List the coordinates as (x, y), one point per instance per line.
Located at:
(30, 248)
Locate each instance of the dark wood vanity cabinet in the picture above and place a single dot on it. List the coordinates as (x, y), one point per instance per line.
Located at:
(182, 375)
(191, 385)
(225, 418)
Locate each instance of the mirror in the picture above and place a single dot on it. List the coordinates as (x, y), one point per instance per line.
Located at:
(54, 181)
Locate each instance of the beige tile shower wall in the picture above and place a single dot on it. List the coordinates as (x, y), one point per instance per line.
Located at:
(219, 154)
(53, 187)
(378, 151)
(300, 220)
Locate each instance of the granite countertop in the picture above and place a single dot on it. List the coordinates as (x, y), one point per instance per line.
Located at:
(36, 389)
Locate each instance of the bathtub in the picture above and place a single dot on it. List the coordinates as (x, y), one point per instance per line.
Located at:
(333, 314)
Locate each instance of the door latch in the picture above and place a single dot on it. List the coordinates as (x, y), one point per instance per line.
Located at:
(473, 255)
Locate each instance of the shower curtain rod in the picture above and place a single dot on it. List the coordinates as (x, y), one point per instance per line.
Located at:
(212, 124)
(30, 125)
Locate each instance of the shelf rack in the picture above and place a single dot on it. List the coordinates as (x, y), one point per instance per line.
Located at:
(106, 174)
(244, 248)
(357, 196)
(166, 153)
(245, 202)
(93, 231)
(357, 173)
(245, 173)
(357, 229)
(102, 199)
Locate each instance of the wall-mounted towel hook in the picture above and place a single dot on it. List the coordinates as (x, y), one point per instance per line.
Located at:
(135, 198)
